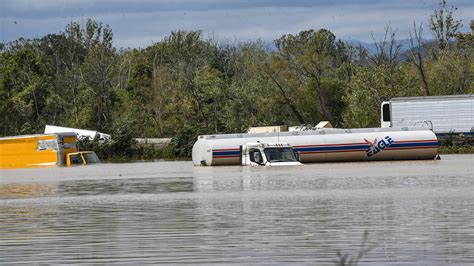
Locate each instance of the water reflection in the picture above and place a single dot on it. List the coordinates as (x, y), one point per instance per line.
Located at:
(27, 190)
(96, 187)
(125, 186)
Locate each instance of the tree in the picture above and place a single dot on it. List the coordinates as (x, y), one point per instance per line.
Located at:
(70, 53)
(212, 91)
(24, 87)
(314, 59)
(277, 73)
(466, 40)
(387, 50)
(465, 43)
(188, 84)
(416, 56)
(443, 25)
(98, 78)
(369, 88)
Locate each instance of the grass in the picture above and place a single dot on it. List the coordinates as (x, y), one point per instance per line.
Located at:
(459, 144)
(456, 149)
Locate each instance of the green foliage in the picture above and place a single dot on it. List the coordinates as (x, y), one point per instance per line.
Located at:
(186, 84)
(102, 149)
(311, 64)
(118, 151)
(123, 138)
(443, 24)
(448, 74)
(456, 144)
(369, 88)
(183, 141)
(123, 145)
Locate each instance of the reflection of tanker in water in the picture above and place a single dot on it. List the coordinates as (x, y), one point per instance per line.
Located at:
(324, 145)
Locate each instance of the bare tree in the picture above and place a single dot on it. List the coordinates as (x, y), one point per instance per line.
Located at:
(387, 50)
(415, 55)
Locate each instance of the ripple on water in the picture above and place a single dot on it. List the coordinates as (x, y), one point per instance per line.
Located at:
(172, 212)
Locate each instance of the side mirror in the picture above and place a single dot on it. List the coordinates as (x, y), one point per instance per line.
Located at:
(298, 156)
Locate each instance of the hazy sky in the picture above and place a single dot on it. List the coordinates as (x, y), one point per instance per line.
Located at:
(140, 23)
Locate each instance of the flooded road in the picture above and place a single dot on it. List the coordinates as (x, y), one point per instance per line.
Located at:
(415, 212)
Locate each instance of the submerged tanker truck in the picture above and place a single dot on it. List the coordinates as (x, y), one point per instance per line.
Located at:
(445, 115)
(322, 145)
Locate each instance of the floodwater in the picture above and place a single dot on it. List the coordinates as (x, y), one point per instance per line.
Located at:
(414, 212)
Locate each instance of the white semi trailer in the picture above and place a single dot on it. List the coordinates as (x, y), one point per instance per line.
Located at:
(323, 145)
(452, 114)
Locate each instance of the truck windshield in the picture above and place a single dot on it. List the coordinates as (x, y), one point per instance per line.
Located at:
(91, 157)
(75, 159)
(280, 155)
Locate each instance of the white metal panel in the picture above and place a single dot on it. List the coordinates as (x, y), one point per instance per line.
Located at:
(49, 129)
(451, 114)
(266, 129)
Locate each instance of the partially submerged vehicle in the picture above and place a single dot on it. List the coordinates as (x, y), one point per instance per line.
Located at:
(324, 145)
(43, 150)
(267, 154)
(82, 158)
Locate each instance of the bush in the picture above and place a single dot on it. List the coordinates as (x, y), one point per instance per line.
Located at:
(124, 147)
(456, 144)
(120, 147)
(182, 143)
(122, 144)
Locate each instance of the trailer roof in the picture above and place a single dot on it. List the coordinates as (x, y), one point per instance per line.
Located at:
(433, 98)
(80, 132)
(325, 131)
(64, 134)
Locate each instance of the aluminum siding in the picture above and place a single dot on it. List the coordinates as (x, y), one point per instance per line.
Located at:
(447, 115)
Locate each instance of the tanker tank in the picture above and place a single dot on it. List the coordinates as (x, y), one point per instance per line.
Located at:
(324, 145)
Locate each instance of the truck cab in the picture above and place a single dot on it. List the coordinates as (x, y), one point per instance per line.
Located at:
(81, 158)
(268, 154)
(385, 117)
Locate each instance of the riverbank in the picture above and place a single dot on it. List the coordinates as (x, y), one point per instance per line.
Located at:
(456, 150)
(460, 144)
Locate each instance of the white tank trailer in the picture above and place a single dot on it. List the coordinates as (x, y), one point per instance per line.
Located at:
(324, 145)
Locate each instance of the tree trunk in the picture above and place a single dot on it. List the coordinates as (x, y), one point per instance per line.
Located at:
(288, 101)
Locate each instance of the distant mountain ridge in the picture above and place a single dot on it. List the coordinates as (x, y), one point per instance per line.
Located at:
(371, 47)
(405, 47)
